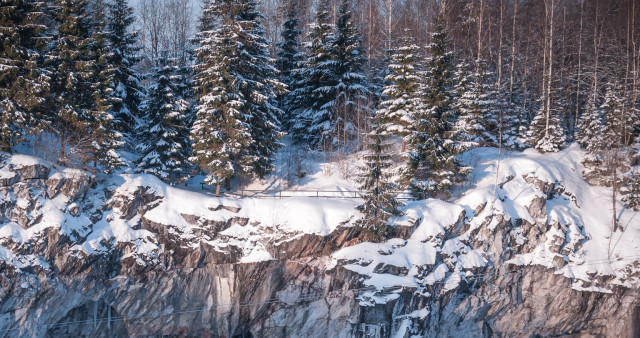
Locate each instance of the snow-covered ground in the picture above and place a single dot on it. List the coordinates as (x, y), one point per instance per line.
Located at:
(578, 220)
(576, 227)
(331, 175)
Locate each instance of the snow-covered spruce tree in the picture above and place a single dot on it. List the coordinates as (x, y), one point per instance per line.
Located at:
(352, 89)
(545, 132)
(514, 131)
(311, 100)
(221, 134)
(185, 81)
(476, 105)
(22, 83)
(104, 139)
(128, 91)
(431, 160)
(258, 84)
(590, 132)
(466, 123)
(590, 135)
(631, 192)
(70, 66)
(374, 180)
(618, 122)
(289, 58)
(401, 98)
(164, 151)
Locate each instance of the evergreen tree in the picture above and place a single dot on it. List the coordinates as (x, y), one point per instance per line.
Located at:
(374, 179)
(617, 120)
(166, 139)
(590, 130)
(105, 140)
(22, 84)
(311, 102)
(631, 192)
(258, 84)
(476, 105)
(221, 134)
(128, 91)
(467, 122)
(289, 58)
(185, 85)
(431, 164)
(545, 132)
(402, 101)
(71, 74)
(514, 135)
(351, 91)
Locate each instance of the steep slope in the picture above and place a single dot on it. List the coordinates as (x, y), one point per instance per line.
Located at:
(528, 251)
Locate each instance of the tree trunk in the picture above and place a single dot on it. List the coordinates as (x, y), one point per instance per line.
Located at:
(499, 79)
(550, 69)
(577, 113)
(596, 49)
(615, 187)
(513, 50)
(480, 19)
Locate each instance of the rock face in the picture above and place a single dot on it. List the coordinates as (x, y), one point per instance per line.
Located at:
(67, 281)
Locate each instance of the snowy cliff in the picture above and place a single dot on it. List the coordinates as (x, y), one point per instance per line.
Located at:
(526, 251)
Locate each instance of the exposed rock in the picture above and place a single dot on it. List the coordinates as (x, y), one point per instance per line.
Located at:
(32, 172)
(191, 282)
(72, 183)
(538, 209)
(391, 269)
(139, 202)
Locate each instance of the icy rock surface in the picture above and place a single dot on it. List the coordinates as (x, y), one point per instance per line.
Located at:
(527, 251)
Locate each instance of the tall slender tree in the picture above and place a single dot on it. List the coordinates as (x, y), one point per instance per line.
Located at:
(127, 89)
(351, 92)
(374, 179)
(312, 100)
(432, 150)
(166, 137)
(105, 140)
(221, 133)
(401, 96)
(258, 84)
(22, 82)
(476, 105)
(289, 58)
(71, 76)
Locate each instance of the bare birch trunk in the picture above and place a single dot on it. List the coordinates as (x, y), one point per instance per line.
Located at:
(499, 79)
(550, 68)
(480, 19)
(513, 50)
(577, 113)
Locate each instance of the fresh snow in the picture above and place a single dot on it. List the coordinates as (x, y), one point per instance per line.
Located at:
(580, 217)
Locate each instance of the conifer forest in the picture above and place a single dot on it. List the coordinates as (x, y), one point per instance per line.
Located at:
(405, 99)
(214, 86)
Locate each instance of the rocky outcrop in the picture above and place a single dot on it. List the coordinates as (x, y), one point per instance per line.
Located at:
(192, 281)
